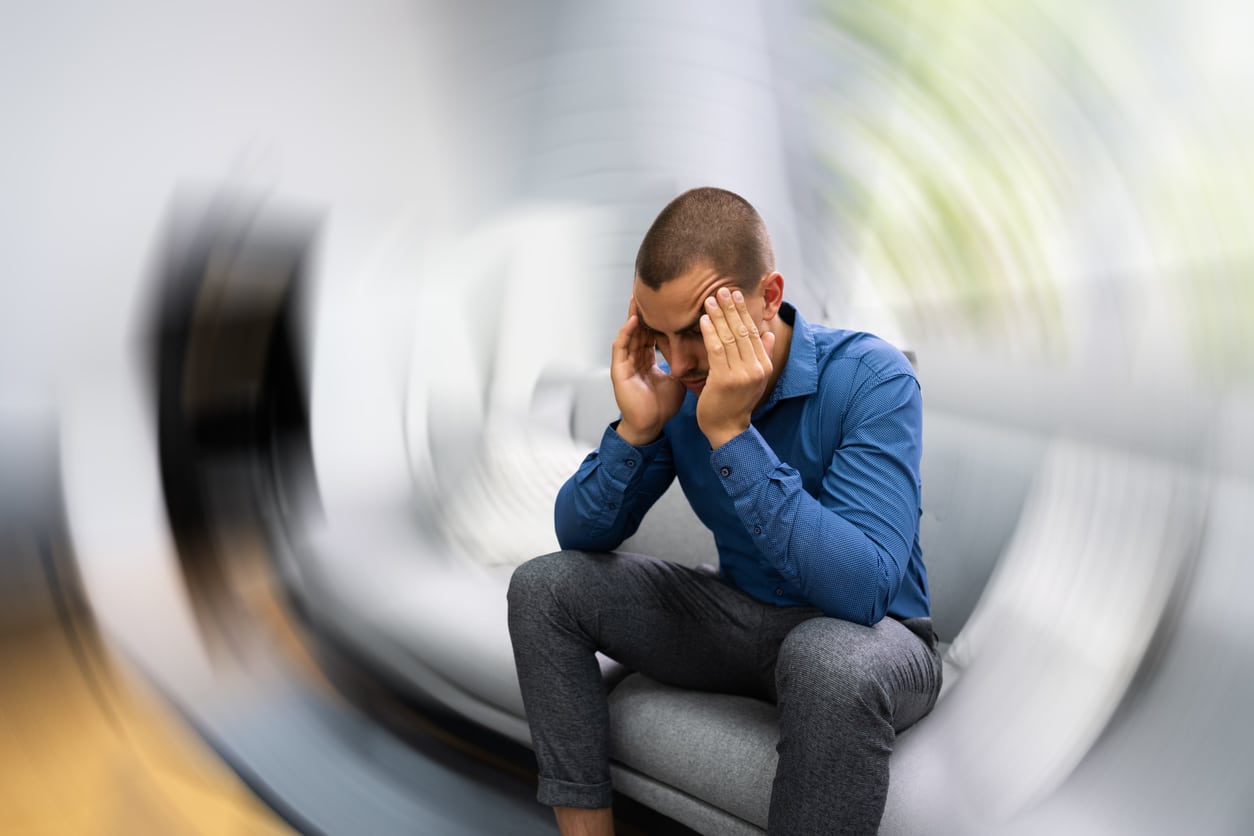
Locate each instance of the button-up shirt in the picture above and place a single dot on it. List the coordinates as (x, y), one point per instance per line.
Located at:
(817, 503)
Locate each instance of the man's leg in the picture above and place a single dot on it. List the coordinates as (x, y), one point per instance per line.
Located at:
(675, 624)
(578, 821)
(845, 690)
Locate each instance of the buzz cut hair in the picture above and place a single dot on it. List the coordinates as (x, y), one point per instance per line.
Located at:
(706, 226)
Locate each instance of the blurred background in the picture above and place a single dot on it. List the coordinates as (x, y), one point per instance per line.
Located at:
(293, 298)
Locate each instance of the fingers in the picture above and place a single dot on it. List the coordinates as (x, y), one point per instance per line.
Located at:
(644, 341)
(626, 349)
(756, 345)
(634, 345)
(720, 342)
(624, 338)
(714, 350)
(733, 335)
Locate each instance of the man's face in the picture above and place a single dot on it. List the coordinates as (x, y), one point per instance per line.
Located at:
(672, 315)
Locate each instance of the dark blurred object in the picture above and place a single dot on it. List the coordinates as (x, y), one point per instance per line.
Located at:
(31, 511)
(39, 580)
(231, 391)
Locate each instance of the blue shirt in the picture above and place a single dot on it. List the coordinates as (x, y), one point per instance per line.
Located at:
(818, 502)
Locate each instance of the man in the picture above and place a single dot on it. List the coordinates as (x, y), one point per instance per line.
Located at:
(799, 447)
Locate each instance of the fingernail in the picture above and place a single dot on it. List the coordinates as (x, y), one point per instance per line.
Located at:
(724, 293)
(710, 302)
(738, 296)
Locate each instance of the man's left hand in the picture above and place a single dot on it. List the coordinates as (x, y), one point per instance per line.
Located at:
(740, 367)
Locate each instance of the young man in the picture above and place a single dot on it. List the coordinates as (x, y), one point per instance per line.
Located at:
(798, 446)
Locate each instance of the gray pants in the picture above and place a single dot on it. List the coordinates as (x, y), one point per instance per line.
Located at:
(843, 689)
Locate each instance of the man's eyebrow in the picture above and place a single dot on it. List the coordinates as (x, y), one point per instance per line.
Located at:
(692, 326)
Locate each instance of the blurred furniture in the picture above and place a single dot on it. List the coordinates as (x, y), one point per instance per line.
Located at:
(1064, 517)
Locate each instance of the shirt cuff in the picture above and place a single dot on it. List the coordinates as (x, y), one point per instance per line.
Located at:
(625, 461)
(744, 462)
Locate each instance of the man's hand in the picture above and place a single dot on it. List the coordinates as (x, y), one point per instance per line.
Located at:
(647, 396)
(740, 367)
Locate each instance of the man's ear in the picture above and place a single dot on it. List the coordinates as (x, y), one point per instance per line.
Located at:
(772, 294)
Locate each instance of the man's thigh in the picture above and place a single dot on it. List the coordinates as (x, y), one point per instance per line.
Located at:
(826, 656)
(679, 625)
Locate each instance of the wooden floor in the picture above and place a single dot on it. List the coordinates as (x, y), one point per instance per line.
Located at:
(86, 748)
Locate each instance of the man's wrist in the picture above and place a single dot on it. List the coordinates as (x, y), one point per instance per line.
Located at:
(635, 437)
(718, 436)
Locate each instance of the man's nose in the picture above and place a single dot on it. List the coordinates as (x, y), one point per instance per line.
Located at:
(683, 359)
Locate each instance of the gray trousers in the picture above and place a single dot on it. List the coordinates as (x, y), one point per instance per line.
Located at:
(843, 690)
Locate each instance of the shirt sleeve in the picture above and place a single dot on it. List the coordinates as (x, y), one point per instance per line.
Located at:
(846, 549)
(602, 504)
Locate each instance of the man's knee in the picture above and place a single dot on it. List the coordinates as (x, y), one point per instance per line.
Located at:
(545, 579)
(830, 662)
(533, 581)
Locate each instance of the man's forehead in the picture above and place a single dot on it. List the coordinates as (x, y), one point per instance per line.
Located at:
(667, 314)
(676, 305)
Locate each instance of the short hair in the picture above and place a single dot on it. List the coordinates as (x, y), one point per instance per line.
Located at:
(706, 226)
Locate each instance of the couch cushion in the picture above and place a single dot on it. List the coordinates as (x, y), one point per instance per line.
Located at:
(1067, 617)
(717, 748)
(973, 494)
(714, 749)
(671, 531)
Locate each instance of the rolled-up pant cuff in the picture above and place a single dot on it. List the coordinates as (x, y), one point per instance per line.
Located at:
(555, 793)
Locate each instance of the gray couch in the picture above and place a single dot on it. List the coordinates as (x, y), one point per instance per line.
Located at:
(1065, 520)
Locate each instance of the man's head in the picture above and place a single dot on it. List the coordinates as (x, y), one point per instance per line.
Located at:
(704, 239)
(711, 226)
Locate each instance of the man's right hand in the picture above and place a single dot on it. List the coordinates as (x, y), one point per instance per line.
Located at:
(647, 396)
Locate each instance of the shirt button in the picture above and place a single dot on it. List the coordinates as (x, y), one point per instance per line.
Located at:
(757, 529)
(779, 592)
(631, 462)
(724, 472)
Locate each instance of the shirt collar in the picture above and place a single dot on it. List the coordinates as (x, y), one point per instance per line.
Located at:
(800, 376)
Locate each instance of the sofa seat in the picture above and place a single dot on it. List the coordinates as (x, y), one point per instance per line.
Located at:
(709, 758)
